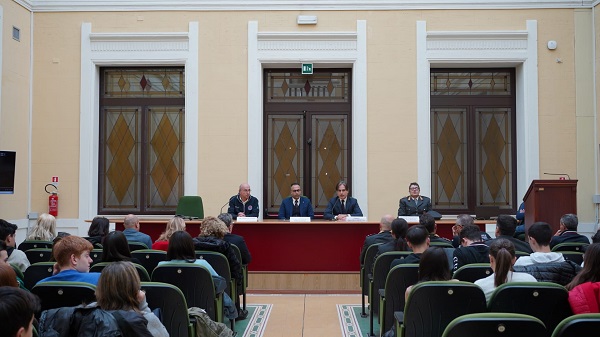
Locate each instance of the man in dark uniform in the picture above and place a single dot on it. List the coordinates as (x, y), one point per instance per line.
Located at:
(384, 235)
(415, 203)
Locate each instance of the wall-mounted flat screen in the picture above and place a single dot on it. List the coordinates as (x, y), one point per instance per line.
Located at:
(7, 172)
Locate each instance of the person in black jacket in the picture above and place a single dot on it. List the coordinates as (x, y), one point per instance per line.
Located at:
(505, 229)
(384, 235)
(243, 204)
(472, 249)
(235, 239)
(567, 231)
(212, 232)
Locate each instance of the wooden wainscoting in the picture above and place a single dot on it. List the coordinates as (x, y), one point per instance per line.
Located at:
(303, 283)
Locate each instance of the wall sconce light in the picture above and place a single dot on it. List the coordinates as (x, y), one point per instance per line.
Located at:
(307, 20)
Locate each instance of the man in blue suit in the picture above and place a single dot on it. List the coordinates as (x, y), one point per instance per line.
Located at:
(296, 204)
(342, 206)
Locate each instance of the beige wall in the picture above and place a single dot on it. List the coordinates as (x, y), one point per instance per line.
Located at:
(222, 96)
(14, 108)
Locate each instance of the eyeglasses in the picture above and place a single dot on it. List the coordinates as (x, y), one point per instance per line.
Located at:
(295, 190)
(248, 190)
(415, 188)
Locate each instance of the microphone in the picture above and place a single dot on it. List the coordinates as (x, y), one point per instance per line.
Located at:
(227, 203)
(558, 174)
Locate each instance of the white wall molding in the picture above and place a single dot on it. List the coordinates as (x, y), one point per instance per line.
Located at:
(132, 49)
(516, 49)
(324, 50)
(289, 5)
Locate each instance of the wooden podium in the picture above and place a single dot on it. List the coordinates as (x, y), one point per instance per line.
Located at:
(548, 200)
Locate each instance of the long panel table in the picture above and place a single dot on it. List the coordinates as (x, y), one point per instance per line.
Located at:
(279, 246)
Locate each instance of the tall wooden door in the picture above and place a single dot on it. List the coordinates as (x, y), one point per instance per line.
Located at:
(307, 138)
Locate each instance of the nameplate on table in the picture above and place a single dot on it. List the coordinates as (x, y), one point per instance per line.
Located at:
(409, 218)
(356, 218)
(300, 219)
(247, 219)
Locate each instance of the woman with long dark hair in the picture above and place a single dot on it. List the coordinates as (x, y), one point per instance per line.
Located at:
(98, 230)
(502, 259)
(433, 266)
(591, 267)
(181, 249)
(116, 248)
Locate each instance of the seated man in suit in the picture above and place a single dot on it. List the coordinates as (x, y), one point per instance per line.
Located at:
(543, 264)
(342, 206)
(567, 231)
(296, 204)
(472, 249)
(415, 203)
(384, 235)
(505, 228)
(72, 255)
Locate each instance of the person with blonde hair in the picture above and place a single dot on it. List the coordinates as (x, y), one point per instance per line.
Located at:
(45, 228)
(119, 289)
(174, 225)
(212, 232)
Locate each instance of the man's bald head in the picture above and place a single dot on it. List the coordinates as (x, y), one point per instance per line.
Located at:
(386, 222)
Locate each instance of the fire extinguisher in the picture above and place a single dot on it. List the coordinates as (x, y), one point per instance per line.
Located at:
(52, 200)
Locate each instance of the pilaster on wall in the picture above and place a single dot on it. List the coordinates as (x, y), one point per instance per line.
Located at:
(324, 50)
(478, 49)
(132, 49)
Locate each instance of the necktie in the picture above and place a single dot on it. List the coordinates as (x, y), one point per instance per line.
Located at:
(344, 206)
(296, 203)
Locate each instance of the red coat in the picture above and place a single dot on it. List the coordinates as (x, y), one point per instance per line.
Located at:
(585, 298)
(161, 245)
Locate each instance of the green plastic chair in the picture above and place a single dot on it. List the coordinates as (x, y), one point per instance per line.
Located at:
(144, 276)
(578, 325)
(173, 307)
(495, 325)
(544, 300)
(473, 272)
(58, 294)
(190, 206)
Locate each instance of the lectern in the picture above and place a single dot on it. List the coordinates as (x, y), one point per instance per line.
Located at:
(548, 200)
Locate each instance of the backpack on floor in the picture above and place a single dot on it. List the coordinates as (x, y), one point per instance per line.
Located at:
(206, 327)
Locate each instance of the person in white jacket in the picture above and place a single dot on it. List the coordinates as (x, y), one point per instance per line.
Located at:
(540, 235)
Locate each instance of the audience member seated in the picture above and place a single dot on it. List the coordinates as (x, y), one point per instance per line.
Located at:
(174, 225)
(399, 229)
(8, 277)
(17, 310)
(58, 237)
(520, 216)
(433, 266)
(181, 249)
(45, 228)
(132, 231)
(505, 229)
(596, 237)
(418, 240)
(235, 239)
(212, 232)
(584, 290)
(99, 228)
(119, 289)
(72, 255)
(116, 248)
(472, 249)
(384, 235)
(543, 264)
(463, 220)
(15, 256)
(502, 259)
(567, 231)
(429, 222)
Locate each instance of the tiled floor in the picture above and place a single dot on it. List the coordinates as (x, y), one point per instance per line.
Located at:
(303, 315)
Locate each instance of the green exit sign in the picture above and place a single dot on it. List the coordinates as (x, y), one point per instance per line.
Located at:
(307, 68)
